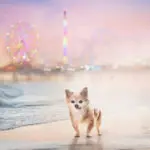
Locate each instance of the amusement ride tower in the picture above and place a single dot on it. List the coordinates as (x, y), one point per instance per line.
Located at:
(65, 40)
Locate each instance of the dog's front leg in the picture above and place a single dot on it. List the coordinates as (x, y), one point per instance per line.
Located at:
(75, 125)
(90, 127)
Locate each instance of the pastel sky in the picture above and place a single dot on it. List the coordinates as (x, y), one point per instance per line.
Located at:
(101, 31)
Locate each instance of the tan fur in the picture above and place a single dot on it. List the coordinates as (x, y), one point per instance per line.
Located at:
(81, 111)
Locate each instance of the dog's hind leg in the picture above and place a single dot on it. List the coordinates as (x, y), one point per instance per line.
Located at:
(98, 122)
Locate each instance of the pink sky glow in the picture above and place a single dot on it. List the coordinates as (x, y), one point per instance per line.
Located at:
(111, 32)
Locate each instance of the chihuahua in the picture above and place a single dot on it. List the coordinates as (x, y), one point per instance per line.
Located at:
(81, 112)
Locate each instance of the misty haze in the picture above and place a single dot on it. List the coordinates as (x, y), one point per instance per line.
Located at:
(47, 46)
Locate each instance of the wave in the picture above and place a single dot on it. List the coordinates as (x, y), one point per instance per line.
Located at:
(11, 96)
(34, 101)
(28, 101)
(8, 93)
(18, 104)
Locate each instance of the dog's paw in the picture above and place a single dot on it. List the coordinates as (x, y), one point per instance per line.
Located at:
(88, 136)
(99, 134)
(77, 136)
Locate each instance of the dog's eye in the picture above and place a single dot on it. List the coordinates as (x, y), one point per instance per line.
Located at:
(72, 101)
(80, 101)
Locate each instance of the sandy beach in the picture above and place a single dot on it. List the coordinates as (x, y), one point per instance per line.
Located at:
(60, 135)
(123, 99)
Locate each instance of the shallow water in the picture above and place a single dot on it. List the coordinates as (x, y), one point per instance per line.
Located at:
(124, 98)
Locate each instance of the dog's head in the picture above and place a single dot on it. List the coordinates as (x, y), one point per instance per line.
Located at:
(77, 100)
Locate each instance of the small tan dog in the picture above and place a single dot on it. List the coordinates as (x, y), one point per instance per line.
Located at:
(81, 112)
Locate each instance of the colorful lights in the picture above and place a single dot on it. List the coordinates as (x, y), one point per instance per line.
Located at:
(19, 45)
(24, 56)
(7, 47)
(22, 41)
(65, 40)
(65, 23)
(65, 60)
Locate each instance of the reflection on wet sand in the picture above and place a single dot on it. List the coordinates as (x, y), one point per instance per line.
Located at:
(88, 144)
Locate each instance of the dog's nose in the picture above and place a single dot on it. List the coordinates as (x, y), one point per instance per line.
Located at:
(76, 106)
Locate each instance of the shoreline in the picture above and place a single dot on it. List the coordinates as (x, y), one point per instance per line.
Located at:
(53, 76)
(60, 134)
(29, 125)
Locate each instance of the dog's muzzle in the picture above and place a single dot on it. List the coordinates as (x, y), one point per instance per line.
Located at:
(76, 106)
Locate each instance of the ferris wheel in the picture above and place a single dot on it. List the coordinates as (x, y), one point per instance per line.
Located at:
(22, 42)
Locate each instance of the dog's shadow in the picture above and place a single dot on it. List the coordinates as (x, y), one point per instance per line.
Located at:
(88, 145)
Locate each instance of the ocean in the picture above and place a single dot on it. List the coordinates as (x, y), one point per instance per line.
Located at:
(123, 96)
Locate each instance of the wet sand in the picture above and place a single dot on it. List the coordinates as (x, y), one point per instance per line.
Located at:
(60, 135)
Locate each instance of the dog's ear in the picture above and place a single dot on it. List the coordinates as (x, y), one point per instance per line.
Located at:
(84, 92)
(68, 93)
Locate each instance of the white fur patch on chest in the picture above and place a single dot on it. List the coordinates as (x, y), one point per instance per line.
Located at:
(78, 114)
